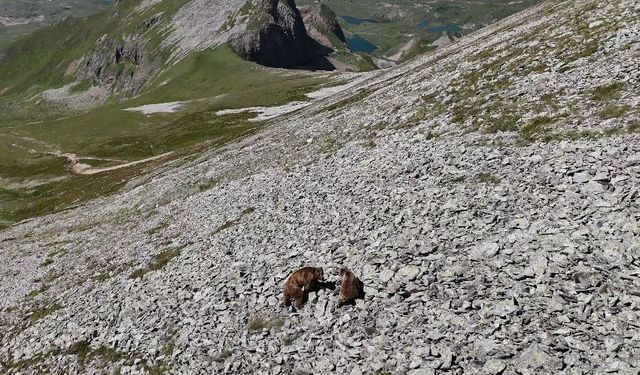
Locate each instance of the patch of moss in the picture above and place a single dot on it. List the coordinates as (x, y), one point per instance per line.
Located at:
(289, 340)
(483, 55)
(37, 292)
(453, 181)
(81, 86)
(46, 262)
(589, 49)
(208, 184)
(361, 95)
(231, 223)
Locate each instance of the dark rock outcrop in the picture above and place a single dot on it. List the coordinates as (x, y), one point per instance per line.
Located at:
(124, 65)
(275, 36)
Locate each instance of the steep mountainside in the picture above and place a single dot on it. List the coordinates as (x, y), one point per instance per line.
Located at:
(486, 194)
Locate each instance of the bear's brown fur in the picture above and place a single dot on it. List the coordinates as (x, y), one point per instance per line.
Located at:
(351, 287)
(300, 283)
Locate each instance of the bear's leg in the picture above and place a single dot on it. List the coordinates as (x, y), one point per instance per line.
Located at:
(299, 297)
(287, 300)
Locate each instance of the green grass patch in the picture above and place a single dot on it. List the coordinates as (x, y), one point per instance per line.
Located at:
(487, 178)
(483, 55)
(4, 221)
(590, 49)
(37, 292)
(607, 92)
(42, 58)
(43, 311)
(157, 263)
(507, 123)
(613, 111)
(287, 341)
(208, 184)
(535, 127)
(182, 135)
(82, 86)
(85, 353)
(230, 223)
(47, 261)
(358, 97)
(220, 358)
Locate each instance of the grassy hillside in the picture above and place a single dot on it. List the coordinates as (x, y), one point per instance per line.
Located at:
(34, 181)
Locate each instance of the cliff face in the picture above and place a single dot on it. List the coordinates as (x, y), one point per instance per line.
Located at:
(275, 35)
(124, 66)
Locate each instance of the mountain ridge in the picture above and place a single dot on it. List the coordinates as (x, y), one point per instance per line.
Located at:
(125, 47)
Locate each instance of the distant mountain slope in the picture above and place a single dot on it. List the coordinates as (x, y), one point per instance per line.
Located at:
(18, 18)
(127, 46)
(486, 194)
(400, 30)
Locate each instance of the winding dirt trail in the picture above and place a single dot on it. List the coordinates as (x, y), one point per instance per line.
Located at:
(87, 169)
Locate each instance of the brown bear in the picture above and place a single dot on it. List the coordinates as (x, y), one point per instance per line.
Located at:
(350, 289)
(300, 284)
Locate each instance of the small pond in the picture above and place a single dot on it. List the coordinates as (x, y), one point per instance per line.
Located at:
(424, 25)
(441, 28)
(359, 44)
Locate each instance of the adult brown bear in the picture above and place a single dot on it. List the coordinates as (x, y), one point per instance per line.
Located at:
(300, 283)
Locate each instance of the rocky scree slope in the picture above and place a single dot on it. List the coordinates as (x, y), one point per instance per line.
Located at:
(498, 239)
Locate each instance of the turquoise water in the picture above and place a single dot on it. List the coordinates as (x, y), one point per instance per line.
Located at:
(356, 21)
(358, 44)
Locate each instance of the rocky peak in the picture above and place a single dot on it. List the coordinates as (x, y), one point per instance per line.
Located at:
(274, 35)
(322, 25)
